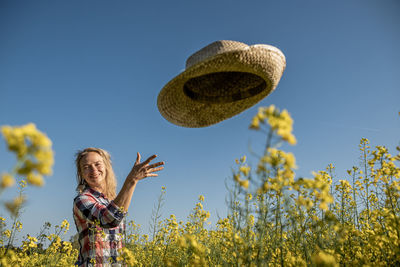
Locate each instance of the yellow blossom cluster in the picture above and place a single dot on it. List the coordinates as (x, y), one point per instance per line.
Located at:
(33, 151)
(278, 167)
(281, 123)
(7, 180)
(320, 190)
(33, 251)
(244, 170)
(30, 242)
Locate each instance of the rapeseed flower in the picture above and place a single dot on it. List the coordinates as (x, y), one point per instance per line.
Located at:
(244, 183)
(32, 148)
(7, 180)
(323, 259)
(35, 179)
(245, 170)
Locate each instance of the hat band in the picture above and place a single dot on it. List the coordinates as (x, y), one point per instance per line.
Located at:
(224, 87)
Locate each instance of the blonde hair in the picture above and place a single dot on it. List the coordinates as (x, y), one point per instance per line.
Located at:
(110, 180)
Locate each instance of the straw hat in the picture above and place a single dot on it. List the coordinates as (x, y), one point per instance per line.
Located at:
(221, 80)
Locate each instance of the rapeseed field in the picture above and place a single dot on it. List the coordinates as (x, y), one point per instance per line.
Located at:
(274, 218)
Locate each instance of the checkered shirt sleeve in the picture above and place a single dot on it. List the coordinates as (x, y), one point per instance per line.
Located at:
(95, 211)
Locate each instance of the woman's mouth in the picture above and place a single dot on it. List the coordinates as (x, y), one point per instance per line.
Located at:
(94, 176)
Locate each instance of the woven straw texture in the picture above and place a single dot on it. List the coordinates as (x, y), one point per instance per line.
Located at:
(220, 81)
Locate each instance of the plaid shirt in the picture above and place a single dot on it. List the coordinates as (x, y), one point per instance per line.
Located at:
(101, 228)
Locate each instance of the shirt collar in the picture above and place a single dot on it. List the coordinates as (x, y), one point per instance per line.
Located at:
(94, 192)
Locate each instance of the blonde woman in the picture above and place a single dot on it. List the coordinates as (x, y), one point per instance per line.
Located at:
(98, 211)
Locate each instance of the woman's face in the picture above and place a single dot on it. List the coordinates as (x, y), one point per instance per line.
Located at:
(93, 170)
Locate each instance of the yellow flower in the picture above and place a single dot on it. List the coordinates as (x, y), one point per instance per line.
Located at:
(64, 225)
(291, 139)
(290, 160)
(245, 170)
(244, 183)
(31, 242)
(270, 110)
(255, 123)
(323, 206)
(280, 123)
(45, 161)
(182, 242)
(201, 198)
(40, 140)
(7, 180)
(324, 259)
(22, 183)
(32, 147)
(35, 179)
(18, 225)
(7, 233)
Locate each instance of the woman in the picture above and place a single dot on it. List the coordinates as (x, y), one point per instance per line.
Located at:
(98, 211)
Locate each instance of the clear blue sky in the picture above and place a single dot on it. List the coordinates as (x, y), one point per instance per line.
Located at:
(88, 74)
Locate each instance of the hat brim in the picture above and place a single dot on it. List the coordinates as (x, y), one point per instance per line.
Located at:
(177, 107)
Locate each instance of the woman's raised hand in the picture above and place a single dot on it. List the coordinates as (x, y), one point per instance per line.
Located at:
(143, 169)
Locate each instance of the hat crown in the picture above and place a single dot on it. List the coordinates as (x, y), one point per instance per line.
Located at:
(215, 48)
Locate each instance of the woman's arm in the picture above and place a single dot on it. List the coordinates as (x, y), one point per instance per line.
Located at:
(138, 172)
(88, 207)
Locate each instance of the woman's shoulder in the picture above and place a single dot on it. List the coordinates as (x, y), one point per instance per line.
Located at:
(87, 193)
(89, 196)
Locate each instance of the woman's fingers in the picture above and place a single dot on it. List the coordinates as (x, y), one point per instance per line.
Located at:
(149, 172)
(156, 164)
(137, 158)
(155, 169)
(147, 161)
(142, 169)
